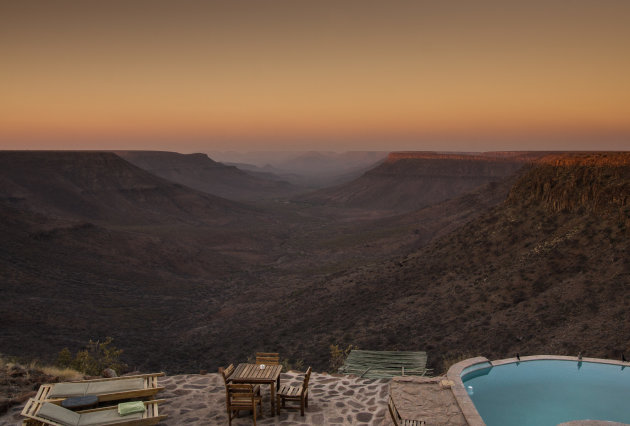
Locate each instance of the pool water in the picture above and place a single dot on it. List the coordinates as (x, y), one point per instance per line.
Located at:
(548, 392)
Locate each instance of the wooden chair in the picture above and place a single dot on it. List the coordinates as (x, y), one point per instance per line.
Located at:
(295, 393)
(397, 419)
(227, 372)
(242, 397)
(267, 358)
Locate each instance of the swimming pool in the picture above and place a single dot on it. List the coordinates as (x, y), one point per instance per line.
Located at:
(544, 392)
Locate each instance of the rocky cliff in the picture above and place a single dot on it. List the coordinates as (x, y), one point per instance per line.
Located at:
(589, 182)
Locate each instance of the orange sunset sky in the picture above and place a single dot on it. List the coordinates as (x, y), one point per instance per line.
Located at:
(331, 75)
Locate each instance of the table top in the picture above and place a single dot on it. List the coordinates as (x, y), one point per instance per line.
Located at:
(252, 373)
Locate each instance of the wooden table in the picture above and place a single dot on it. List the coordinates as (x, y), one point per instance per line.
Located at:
(252, 373)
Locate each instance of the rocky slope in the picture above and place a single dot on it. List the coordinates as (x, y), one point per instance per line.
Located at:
(93, 246)
(410, 181)
(100, 186)
(545, 272)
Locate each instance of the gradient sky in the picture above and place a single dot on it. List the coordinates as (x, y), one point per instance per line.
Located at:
(331, 75)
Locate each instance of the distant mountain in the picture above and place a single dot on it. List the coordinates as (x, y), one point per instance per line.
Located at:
(312, 169)
(413, 180)
(101, 186)
(200, 172)
(318, 163)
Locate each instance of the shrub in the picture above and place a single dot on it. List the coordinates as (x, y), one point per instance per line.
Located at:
(92, 360)
(287, 365)
(338, 356)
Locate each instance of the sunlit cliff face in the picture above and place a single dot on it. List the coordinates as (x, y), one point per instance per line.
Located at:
(615, 159)
(594, 182)
(512, 156)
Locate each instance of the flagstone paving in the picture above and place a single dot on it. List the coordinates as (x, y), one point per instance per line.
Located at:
(196, 399)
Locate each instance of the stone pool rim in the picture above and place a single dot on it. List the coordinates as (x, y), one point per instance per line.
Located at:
(466, 405)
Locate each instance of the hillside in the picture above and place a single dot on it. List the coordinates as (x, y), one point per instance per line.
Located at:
(533, 275)
(150, 273)
(93, 246)
(200, 172)
(100, 186)
(411, 181)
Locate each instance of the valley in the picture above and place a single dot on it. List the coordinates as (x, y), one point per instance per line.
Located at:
(458, 255)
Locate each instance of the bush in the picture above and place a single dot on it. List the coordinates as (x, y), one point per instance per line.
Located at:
(287, 365)
(92, 360)
(338, 356)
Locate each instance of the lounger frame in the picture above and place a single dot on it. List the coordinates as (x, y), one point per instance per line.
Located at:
(150, 417)
(149, 389)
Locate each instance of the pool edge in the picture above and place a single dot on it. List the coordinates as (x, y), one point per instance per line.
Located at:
(467, 407)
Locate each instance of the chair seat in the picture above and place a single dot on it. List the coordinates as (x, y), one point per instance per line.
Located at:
(290, 391)
(244, 402)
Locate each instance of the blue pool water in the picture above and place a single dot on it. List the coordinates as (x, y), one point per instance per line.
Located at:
(548, 392)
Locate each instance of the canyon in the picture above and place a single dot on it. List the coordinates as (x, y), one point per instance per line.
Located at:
(459, 255)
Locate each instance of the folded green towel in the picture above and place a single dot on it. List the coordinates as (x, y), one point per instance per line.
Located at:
(125, 408)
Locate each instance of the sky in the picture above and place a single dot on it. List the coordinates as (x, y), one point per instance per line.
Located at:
(339, 75)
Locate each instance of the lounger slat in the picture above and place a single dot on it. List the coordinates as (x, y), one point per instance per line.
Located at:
(149, 417)
(148, 388)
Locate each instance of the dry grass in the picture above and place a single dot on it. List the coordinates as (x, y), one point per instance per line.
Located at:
(64, 374)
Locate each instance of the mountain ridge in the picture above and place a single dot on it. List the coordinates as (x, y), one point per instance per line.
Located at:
(200, 172)
(410, 181)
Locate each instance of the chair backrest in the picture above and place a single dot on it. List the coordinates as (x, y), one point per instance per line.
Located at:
(268, 358)
(393, 412)
(226, 372)
(240, 395)
(307, 377)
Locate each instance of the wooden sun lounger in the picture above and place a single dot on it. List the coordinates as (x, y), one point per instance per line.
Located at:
(148, 388)
(109, 415)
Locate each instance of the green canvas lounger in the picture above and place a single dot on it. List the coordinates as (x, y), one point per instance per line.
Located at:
(144, 385)
(52, 414)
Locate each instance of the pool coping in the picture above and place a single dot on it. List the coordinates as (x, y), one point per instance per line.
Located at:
(466, 405)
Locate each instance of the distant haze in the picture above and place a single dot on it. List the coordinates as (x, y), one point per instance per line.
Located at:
(201, 76)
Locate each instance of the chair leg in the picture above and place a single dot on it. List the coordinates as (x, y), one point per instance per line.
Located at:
(302, 406)
(306, 401)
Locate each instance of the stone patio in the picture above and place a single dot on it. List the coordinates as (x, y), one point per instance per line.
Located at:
(333, 400)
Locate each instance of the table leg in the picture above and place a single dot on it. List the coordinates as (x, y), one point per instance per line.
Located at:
(273, 399)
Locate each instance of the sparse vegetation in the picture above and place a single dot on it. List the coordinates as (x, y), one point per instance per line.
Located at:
(338, 356)
(96, 357)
